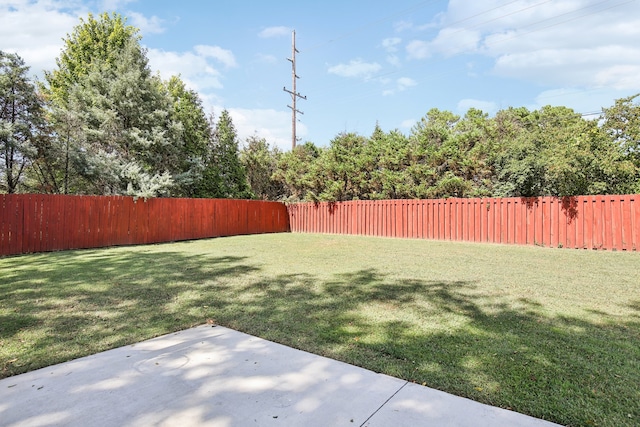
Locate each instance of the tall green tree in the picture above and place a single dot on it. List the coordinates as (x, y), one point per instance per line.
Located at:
(194, 140)
(435, 156)
(389, 155)
(101, 38)
(554, 151)
(119, 128)
(231, 175)
(21, 121)
(299, 171)
(260, 163)
(124, 142)
(346, 168)
(622, 124)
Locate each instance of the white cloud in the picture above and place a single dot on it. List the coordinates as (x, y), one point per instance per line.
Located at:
(111, 5)
(563, 42)
(449, 42)
(193, 68)
(34, 30)
(612, 66)
(418, 49)
(216, 52)
(267, 59)
(486, 106)
(391, 44)
(274, 32)
(401, 26)
(623, 76)
(272, 125)
(401, 84)
(456, 40)
(356, 68)
(582, 101)
(405, 83)
(394, 60)
(153, 25)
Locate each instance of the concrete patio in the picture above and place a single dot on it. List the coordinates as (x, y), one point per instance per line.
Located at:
(214, 376)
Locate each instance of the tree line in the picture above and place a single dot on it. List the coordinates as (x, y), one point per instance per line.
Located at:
(102, 123)
(553, 151)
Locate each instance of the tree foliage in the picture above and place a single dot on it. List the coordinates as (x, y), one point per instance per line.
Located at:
(550, 151)
(21, 121)
(260, 163)
(231, 175)
(119, 129)
(622, 123)
(100, 39)
(194, 143)
(103, 123)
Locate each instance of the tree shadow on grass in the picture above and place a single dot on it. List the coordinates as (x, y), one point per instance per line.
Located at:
(61, 306)
(449, 336)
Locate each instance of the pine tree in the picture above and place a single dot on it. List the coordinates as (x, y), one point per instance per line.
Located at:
(195, 140)
(232, 179)
(260, 163)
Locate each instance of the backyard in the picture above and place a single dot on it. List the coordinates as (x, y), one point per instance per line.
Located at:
(552, 333)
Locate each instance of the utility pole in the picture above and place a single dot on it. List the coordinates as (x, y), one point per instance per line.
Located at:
(294, 95)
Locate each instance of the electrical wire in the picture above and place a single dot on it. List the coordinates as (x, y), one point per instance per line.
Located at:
(517, 35)
(370, 24)
(379, 76)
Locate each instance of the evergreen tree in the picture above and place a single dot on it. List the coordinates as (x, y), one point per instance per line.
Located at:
(391, 154)
(128, 130)
(195, 140)
(96, 39)
(300, 173)
(118, 128)
(345, 168)
(260, 163)
(231, 176)
(21, 121)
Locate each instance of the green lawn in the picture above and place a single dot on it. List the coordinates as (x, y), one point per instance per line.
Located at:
(553, 333)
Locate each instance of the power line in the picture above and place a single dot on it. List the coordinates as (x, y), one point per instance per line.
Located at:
(370, 24)
(379, 76)
(452, 24)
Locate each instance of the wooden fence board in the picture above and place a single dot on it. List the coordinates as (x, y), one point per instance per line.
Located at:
(635, 222)
(589, 222)
(32, 223)
(38, 223)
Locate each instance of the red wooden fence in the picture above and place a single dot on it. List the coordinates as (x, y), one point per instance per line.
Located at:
(588, 222)
(40, 223)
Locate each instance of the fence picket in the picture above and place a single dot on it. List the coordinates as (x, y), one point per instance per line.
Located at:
(590, 222)
(39, 223)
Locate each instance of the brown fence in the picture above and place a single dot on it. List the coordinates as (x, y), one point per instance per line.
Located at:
(589, 222)
(40, 223)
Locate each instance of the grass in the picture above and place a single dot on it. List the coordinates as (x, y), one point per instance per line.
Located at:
(547, 332)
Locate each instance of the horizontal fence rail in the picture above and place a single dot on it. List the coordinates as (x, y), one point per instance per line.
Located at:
(41, 223)
(585, 222)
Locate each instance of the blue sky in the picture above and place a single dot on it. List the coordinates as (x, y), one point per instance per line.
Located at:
(363, 61)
